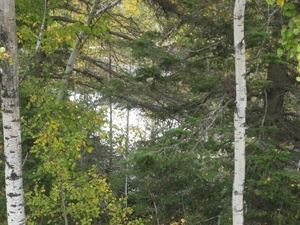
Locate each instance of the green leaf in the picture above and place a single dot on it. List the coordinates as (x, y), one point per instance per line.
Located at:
(271, 2)
(298, 79)
(296, 31)
(279, 51)
(290, 33)
(11, 62)
(291, 23)
(288, 6)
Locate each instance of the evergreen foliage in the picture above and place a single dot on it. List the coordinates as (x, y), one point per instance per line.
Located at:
(172, 62)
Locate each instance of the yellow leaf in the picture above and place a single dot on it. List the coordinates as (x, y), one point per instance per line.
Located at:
(69, 37)
(280, 2)
(19, 35)
(102, 136)
(2, 50)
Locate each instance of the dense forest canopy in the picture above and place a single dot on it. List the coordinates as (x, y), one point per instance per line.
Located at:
(127, 111)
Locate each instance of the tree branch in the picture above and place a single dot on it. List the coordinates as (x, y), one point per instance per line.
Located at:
(38, 43)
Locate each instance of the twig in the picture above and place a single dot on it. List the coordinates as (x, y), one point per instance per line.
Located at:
(38, 43)
(25, 159)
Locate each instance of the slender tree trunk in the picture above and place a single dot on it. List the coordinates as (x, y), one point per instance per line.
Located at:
(239, 114)
(75, 52)
(111, 149)
(81, 39)
(126, 153)
(11, 116)
(275, 94)
(63, 202)
(155, 208)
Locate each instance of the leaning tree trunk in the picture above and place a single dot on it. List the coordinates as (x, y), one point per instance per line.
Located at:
(239, 114)
(93, 14)
(11, 115)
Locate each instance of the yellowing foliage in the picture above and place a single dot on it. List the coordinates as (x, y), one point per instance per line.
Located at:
(131, 7)
(61, 140)
(3, 53)
(182, 221)
(280, 2)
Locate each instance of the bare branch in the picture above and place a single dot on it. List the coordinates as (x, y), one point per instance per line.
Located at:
(101, 64)
(107, 7)
(65, 19)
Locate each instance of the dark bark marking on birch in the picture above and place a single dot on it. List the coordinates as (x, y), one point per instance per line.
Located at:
(4, 93)
(14, 176)
(10, 166)
(13, 195)
(7, 111)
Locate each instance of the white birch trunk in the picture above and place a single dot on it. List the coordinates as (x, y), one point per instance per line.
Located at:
(239, 114)
(11, 116)
(94, 12)
(75, 51)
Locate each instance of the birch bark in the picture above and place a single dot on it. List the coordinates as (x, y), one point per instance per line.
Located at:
(82, 37)
(239, 114)
(11, 116)
(75, 51)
